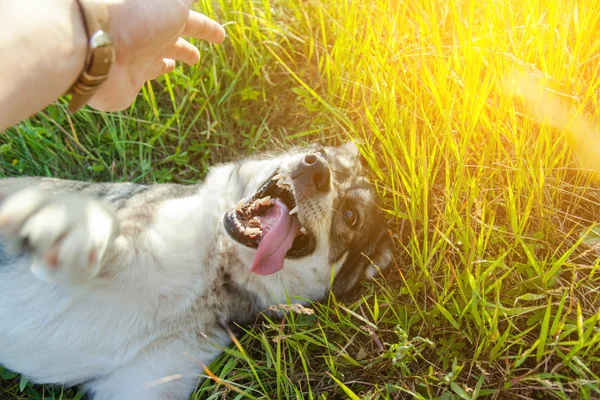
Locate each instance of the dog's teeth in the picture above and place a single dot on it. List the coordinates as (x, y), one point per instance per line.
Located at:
(277, 177)
(254, 223)
(294, 210)
(265, 201)
(252, 231)
(239, 204)
(282, 179)
(303, 230)
(241, 229)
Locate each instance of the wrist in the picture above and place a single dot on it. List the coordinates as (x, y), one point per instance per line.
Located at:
(73, 51)
(100, 53)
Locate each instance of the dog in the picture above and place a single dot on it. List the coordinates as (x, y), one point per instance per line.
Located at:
(128, 289)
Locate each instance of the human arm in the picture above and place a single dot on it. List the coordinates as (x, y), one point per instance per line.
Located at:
(43, 45)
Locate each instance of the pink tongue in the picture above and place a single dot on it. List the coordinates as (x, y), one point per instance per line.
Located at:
(277, 241)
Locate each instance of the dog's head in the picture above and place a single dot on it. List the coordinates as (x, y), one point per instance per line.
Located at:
(313, 210)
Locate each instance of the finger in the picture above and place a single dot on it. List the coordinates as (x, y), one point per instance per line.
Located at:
(184, 51)
(164, 66)
(202, 27)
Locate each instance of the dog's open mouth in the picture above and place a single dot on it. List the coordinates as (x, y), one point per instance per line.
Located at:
(268, 221)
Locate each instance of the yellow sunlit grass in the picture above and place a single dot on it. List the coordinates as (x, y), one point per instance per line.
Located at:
(480, 120)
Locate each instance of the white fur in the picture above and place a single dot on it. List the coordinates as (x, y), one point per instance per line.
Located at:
(128, 322)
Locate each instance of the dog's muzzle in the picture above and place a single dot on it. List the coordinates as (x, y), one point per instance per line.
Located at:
(313, 172)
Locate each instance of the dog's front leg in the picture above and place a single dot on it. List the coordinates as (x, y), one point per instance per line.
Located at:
(67, 235)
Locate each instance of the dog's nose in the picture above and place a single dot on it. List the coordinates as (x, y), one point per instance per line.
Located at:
(314, 171)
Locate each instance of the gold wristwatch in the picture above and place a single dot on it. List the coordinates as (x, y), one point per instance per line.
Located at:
(100, 55)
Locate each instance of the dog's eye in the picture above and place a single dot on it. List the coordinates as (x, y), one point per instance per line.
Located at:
(351, 217)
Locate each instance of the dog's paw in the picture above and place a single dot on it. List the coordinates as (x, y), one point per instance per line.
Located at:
(66, 234)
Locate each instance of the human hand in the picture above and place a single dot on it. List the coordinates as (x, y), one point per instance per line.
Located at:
(147, 35)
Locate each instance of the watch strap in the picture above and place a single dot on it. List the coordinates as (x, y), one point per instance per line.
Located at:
(100, 56)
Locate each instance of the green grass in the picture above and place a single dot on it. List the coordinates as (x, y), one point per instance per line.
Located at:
(497, 290)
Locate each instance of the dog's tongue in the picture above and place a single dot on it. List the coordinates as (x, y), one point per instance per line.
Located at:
(281, 230)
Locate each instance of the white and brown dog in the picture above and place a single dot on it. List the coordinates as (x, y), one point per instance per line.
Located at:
(115, 286)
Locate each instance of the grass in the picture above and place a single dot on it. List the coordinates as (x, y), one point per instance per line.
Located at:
(490, 183)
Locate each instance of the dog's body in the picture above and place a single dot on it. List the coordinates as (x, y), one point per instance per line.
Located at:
(133, 298)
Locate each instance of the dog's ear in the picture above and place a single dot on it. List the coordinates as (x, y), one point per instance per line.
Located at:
(351, 148)
(381, 260)
(364, 265)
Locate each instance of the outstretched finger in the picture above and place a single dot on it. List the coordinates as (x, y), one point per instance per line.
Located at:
(184, 51)
(164, 66)
(202, 27)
